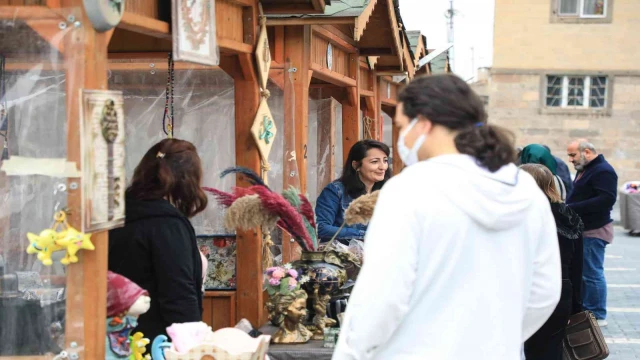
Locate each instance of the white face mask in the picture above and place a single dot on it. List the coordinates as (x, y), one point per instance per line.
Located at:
(410, 156)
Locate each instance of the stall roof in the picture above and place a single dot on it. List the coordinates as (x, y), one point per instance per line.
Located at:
(297, 6)
(334, 8)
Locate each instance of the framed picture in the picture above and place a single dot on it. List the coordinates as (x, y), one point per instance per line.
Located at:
(103, 154)
(193, 29)
(220, 250)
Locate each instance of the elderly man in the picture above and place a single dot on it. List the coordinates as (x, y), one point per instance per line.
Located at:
(593, 197)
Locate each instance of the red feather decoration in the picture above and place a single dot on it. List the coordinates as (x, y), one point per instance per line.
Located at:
(289, 217)
(307, 211)
(223, 198)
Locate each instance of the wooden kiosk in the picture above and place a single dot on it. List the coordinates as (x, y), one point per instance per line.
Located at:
(349, 53)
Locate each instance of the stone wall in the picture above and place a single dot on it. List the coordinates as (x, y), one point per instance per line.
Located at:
(515, 103)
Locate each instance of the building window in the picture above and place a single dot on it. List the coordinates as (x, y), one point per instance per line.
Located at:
(576, 92)
(583, 8)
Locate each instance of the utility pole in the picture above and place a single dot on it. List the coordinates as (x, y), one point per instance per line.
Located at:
(449, 15)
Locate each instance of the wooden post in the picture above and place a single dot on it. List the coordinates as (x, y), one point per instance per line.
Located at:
(326, 139)
(249, 243)
(297, 54)
(351, 122)
(250, 296)
(85, 56)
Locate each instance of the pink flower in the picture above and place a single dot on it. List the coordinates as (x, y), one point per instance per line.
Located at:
(271, 270)
(292, 283)
(278, 274)
(293, 273)
(274, 282)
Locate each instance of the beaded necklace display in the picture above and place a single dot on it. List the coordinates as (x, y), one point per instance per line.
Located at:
(167, 118)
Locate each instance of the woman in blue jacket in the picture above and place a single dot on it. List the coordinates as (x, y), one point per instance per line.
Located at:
(366, 170)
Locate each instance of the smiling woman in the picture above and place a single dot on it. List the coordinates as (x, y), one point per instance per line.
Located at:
(366, 170)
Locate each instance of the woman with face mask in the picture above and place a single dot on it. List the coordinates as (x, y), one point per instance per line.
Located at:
(461, 255)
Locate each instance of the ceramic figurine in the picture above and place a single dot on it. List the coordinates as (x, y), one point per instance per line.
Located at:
(125, 302)
(320, 319)
(288, 312)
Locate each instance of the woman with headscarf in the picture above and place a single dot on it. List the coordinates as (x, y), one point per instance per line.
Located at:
(538, 154)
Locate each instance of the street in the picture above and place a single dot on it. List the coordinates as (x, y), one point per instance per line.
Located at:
(622, 270)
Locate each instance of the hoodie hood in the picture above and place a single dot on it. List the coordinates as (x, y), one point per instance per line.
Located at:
(496, 201)
(137, 210)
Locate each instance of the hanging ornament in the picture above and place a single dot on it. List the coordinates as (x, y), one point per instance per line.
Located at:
(167, 118)
(61, 236)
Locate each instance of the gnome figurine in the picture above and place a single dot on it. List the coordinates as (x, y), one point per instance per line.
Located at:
(125, 302)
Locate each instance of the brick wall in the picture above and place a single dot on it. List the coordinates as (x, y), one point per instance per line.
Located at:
(515, 103)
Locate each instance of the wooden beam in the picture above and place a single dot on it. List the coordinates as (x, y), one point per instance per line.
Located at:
(250, 296)
(294, 21)
(367, 93)
(232, 46)
(247, 67)
(85, 61)
(278, 45)
(363, 19)
(48, 29)
(277, 77)
(334, 39)
(351, 122)
(145, 25)
(332, 77)
(249, 243)
(29, 13)
(376, 51)
(248, 3)
(318, 5)
(297, 48)
(290, 9)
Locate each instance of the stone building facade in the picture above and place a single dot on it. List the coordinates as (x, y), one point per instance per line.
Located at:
(566, 69)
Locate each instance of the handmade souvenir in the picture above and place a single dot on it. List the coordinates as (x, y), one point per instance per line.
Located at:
(125, 302)
(61, 236)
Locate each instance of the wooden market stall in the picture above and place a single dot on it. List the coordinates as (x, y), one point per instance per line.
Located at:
(88, 59)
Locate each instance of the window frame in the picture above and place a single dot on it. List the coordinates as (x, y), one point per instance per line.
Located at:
(564, 108)
(580, 17)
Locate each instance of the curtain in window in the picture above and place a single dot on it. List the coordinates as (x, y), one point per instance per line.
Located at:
(569, 6)
(593, 7)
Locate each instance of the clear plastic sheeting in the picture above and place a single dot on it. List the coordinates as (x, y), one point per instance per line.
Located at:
(311, 151)
(204, 114)
(275, 177)
(387, 132)
(33, 124)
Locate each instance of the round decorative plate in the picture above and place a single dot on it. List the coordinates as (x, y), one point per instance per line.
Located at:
(329, 56)
(104, 14)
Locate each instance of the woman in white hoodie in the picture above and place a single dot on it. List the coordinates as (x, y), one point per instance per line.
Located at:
(462, 258)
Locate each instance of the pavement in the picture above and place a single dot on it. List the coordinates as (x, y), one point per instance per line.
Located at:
(622, 270)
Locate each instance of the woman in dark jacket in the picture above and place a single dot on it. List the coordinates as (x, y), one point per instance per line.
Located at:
(546, 343)
(157, 247)
(366, 170)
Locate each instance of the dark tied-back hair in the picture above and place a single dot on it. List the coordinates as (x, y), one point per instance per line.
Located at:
(170, 170)
(350, 178)
(448, 101)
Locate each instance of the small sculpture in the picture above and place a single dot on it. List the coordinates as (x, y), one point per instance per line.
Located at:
(320, 320)
(125, 302)
(288, 311)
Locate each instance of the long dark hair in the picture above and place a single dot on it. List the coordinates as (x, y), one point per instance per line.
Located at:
(448, 101)
(170, 169)
(350, 178)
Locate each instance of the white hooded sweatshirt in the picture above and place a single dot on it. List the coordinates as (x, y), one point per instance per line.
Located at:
(460, 263)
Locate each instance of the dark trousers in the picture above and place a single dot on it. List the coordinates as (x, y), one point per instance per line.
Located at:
(546, 343)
